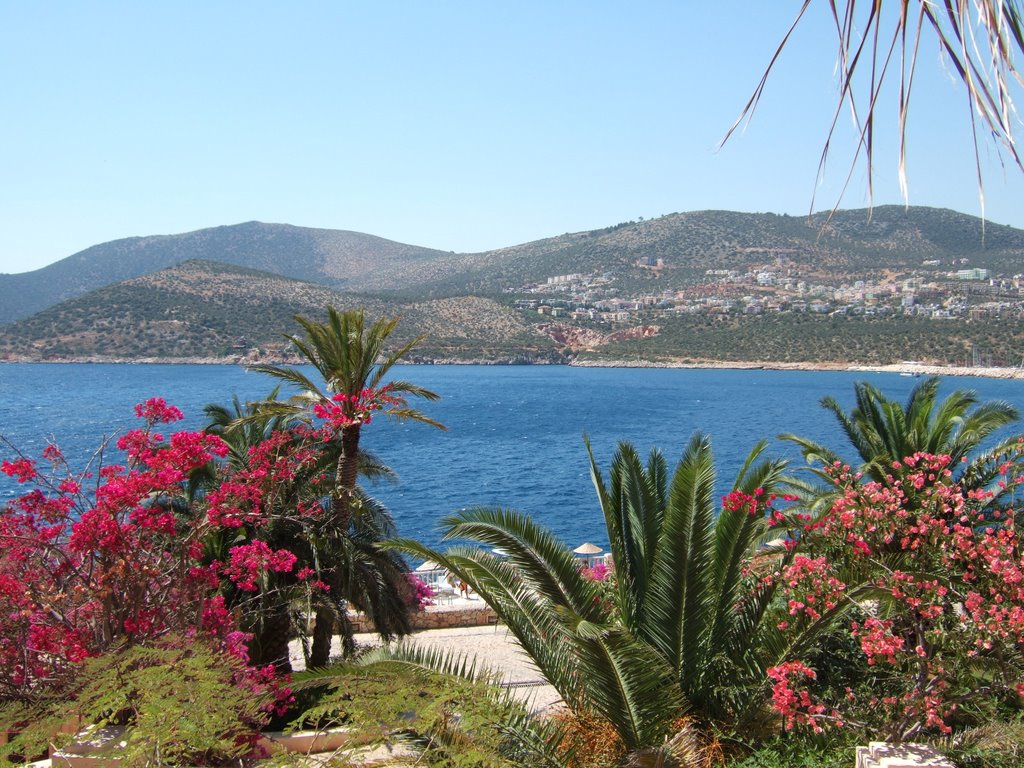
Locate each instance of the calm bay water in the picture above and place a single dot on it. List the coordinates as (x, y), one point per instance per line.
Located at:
(515, 434)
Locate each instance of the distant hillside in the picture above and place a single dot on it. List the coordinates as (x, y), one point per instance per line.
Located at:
(689, 285)
(210, 311)
(688, 243)
(333, 258)
(207, 310)
(824, 340)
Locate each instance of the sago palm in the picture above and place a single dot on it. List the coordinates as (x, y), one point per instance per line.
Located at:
(690, 628)
(680, 566)
(884, 432)
(353, 360)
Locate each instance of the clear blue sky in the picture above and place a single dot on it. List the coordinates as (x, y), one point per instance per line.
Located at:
(456, 125)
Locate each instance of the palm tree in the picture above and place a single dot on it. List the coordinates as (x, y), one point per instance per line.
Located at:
(368, 570)
(884, 433)
(353, 361)
(690, 628)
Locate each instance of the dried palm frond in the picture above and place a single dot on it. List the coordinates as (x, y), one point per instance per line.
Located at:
(978, 38)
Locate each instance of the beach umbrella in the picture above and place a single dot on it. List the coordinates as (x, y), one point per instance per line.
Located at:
(588, 549)
(428, 565)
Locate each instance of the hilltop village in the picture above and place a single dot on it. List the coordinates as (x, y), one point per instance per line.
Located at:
(783, 286)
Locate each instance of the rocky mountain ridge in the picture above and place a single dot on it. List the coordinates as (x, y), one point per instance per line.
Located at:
(684, 288)
(854, 242)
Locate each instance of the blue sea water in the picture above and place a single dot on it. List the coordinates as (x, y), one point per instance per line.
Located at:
(515, 434)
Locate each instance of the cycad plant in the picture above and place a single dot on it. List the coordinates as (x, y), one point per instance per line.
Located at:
(679, 566)
(690, 629)
(884, 432)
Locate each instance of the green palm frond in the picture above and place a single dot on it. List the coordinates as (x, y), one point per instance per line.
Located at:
(533, 620)
(813, 452)
(627, 683)
(862, 443)
(262, 412)
(320, 677)
(884, 432)
(291, 376)
(678, 598)
(590, 665)
(979, 425)
(371, 520)
(411, 414)
(538, 626)
(632, 508)
(633, 518)
(657, 474)
(445, 662)
(1003, 463)
(536, 742)
(737, 535)
(542, 561)
(407, 388)
(242, 426)
(372, 468)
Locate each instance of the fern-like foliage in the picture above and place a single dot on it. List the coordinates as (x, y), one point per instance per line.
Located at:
(179, 704)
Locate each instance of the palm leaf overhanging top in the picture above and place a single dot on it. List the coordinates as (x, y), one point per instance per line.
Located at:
(878, 41)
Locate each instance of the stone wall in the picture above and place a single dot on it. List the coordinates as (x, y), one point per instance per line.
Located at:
(437, 617)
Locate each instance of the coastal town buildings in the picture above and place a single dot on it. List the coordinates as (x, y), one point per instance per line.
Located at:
(960, 294)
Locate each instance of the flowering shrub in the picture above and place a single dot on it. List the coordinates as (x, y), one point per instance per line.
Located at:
(602, 576)
(259, 486)
(791, 698)
(597, 572)
(123, 564)
(942, 581)
(420, 593)
(349, 410)
(809, 588)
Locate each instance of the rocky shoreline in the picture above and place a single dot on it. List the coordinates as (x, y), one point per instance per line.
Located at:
(903, 369)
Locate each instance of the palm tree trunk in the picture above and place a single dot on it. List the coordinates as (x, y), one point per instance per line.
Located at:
(346, 477)
(341, 513)
(270, 645)
(323, 632)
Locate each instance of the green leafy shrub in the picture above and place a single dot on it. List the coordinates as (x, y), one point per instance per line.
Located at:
(449, 720)
(178, 703)
(800, 752)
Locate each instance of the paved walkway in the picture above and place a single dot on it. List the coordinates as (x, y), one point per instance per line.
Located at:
(493, 647)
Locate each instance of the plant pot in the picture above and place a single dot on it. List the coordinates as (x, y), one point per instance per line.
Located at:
(307, 742)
